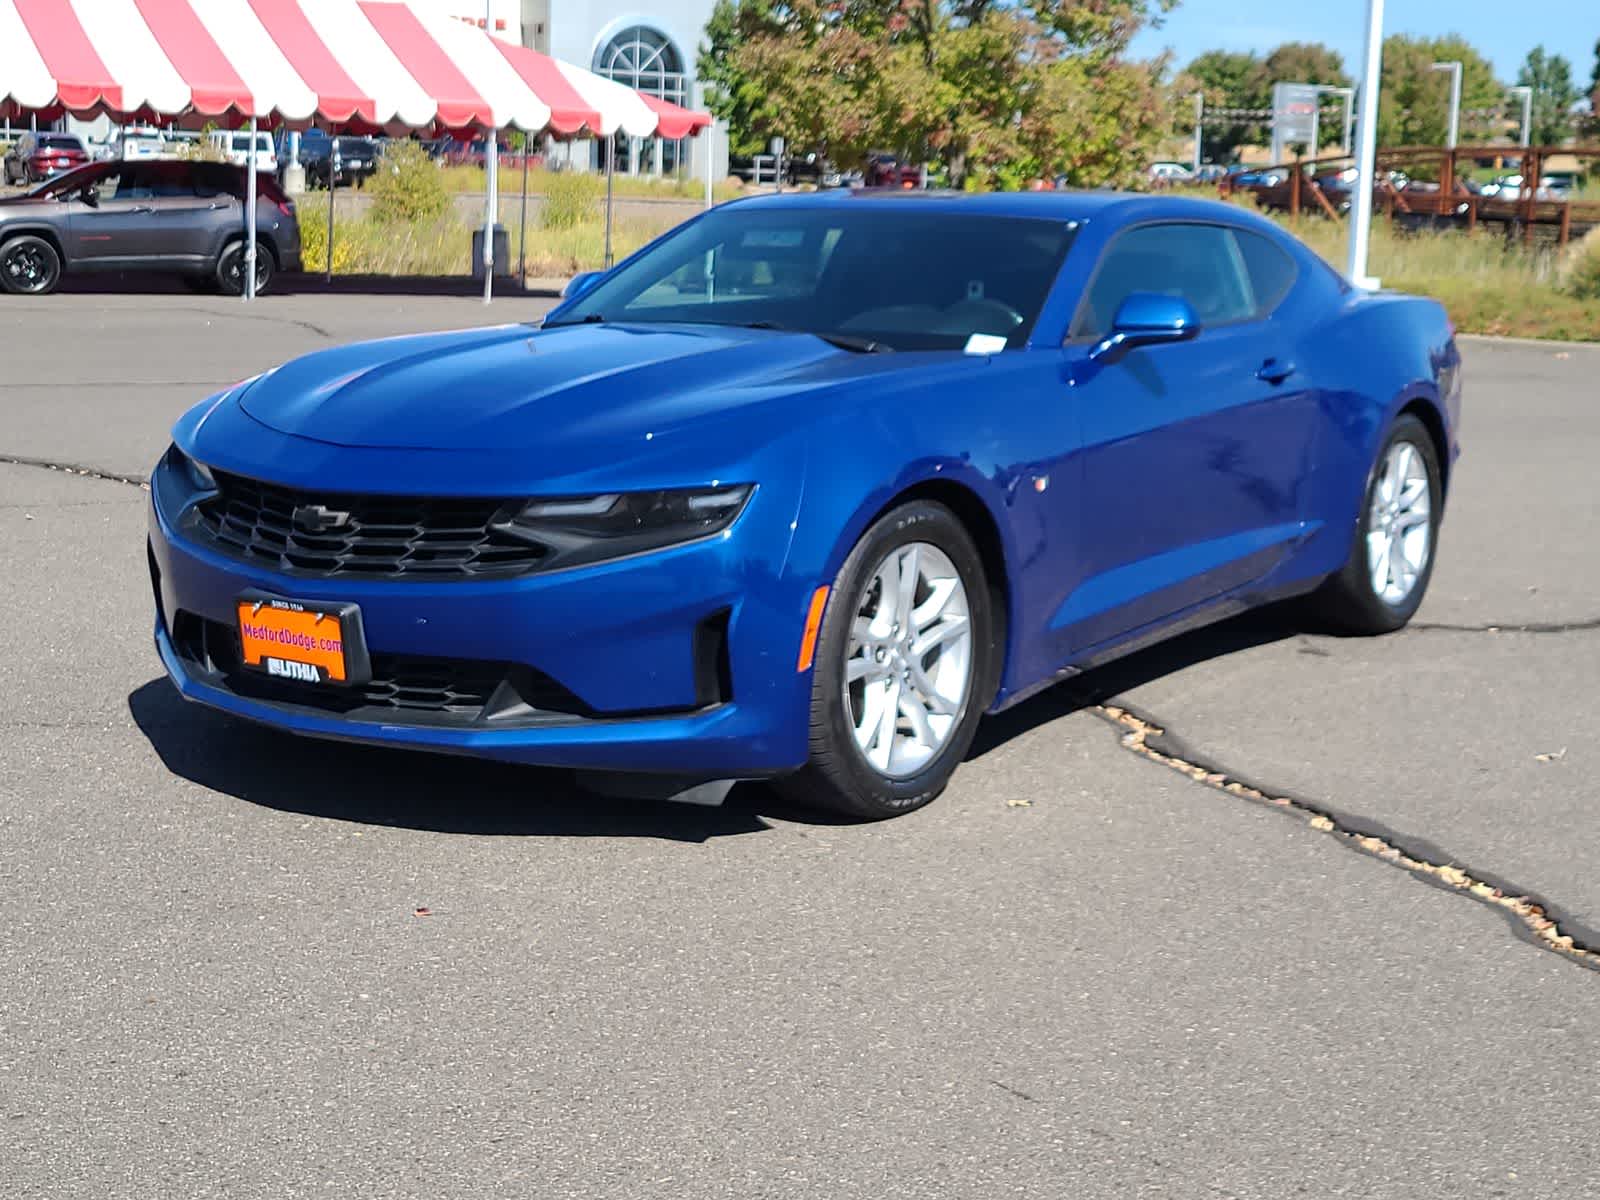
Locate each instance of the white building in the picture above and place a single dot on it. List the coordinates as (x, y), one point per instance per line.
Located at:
(653, 50)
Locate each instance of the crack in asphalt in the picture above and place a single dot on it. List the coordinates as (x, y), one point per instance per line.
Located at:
(1583, 626)
(1531, 918)
(45, 464)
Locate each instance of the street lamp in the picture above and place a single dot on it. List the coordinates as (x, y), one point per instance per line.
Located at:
(1527, 112)
(1199, 124)
(1367, 152)
(1455, 99)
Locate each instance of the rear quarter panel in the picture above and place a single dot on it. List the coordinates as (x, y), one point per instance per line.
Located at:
(1373, 356)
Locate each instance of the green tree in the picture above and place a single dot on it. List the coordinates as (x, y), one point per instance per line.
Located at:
(1310, 62)
(991, 89)
(730, 92)
(1231, 80)
(1554, 94)
(1414, 105)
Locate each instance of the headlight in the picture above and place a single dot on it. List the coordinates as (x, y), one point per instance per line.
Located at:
(587, 529)
(197, 475)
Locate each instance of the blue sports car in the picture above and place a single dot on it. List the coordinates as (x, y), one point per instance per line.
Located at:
(806, 487)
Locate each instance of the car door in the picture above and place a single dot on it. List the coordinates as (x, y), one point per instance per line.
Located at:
(1194, 453)
(118, 226)
(186, 213)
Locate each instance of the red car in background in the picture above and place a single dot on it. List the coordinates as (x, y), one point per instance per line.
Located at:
(38, 156)
(886, 170)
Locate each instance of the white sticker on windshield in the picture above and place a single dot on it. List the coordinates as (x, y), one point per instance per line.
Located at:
(985, 343)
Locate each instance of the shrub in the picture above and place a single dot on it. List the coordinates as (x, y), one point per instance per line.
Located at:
(314, 244)
(570, 199)
(1580, 267)
(406, 188)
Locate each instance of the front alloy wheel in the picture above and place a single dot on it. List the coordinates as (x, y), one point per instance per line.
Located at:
(904, 667)
(908, 667)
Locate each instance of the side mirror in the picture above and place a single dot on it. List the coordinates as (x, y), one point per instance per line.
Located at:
(1147, 319)
(581, 284)
(90, 196)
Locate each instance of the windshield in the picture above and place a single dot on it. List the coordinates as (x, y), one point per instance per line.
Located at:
(885, 275)
(241, 141)
(66, 183)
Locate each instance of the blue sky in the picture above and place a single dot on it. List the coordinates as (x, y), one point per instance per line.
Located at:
(1503, 31)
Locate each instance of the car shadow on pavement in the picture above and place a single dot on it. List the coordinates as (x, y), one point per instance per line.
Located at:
(449, 794)
(430, 792)
(1260, 627)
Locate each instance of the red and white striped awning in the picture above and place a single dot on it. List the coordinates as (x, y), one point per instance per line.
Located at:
(369, 64)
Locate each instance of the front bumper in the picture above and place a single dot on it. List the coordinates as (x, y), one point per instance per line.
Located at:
(626, 638)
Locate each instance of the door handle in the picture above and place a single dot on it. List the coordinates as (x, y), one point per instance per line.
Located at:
(140, 208)
(1275, 371)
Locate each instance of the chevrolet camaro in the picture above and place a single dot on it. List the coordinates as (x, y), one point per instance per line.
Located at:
(805, 488)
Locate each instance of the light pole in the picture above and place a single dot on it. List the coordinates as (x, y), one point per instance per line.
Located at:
(1455, 100)
(1199, 125)
(1527, 112)
(1367, 154)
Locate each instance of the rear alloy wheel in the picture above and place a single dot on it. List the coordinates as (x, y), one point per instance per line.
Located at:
(1383, 582)
(29, 266)
(903, 667)
(230, 268)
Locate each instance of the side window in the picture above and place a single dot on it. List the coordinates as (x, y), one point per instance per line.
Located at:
(1272, 271)
(174, 181)
(1200, 263)
(137, 183)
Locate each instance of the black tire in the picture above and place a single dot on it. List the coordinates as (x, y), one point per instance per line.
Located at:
(29, 266)
(230, 268)
(1348, 600)
(837, 776)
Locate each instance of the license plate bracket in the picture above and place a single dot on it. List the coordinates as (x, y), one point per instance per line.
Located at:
(316, 643)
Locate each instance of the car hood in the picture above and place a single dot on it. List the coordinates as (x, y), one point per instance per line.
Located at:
(513, 387)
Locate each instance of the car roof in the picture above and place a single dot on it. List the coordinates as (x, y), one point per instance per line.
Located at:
(1065, 205)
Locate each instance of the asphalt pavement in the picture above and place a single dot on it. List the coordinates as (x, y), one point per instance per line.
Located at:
(241, 965)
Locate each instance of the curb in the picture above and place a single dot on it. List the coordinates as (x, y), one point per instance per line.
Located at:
(1548, 343)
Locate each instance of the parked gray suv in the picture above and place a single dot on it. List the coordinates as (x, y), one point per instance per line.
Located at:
(182, 217)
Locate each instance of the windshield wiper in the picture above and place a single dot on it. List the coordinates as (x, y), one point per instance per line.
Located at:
(845, 341)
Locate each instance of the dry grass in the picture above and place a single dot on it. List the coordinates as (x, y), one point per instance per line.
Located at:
(443, 247)
(474, 179)
(1487, 284)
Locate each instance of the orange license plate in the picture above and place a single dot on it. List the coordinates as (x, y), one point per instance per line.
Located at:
(300, 642)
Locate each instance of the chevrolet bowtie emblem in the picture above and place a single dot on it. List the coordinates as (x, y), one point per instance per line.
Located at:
(316, 518)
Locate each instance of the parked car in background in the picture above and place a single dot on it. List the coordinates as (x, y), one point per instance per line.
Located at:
(133, 143)
(236, 149)
(350, 160)
(1557, 186)
(1259, 178)
(182, 217)
(884, 169)
(1168, 173)
(39, 156)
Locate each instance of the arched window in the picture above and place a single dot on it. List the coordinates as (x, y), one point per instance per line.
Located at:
(644, 59)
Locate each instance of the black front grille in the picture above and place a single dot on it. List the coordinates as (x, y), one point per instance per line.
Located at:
(403, 688)
(355, 535)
